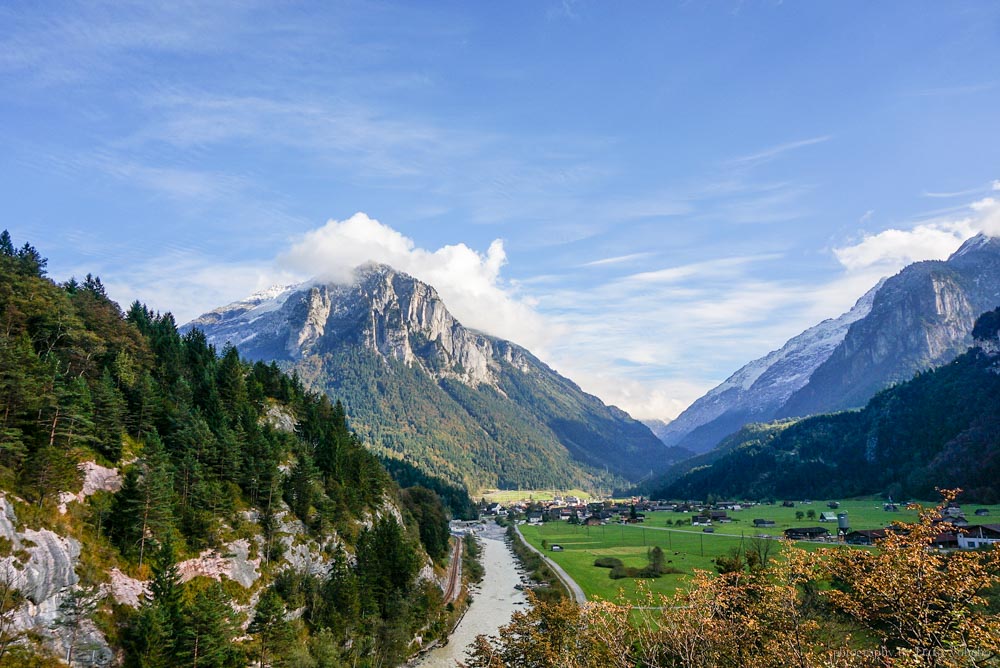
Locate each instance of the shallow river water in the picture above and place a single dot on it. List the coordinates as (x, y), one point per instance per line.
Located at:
(492, 604)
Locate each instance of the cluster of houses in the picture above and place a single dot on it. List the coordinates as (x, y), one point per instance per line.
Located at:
(961, 535)
(572, 509)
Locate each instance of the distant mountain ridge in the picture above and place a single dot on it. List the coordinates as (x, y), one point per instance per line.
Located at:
(937, 431)
(757, 391)
(455, 402)
(920, 318)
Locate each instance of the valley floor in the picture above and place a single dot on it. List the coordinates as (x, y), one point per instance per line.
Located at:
(687, 547)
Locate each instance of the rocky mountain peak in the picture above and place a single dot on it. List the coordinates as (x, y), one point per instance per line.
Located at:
(383, 309)
(977, 245)
(917, 319)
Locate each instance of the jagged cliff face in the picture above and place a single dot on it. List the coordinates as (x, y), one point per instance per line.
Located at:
(384, 311)
(917, 319)
(921, 318)
(462, 404)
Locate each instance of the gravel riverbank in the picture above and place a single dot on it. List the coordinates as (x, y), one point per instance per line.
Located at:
(494, 600)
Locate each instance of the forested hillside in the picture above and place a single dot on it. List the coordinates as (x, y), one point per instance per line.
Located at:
(228, 498)
(941, 429)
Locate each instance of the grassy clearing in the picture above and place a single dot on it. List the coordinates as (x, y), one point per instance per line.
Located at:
(688, 547)
(505, 496)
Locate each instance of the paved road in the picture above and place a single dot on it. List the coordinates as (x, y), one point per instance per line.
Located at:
(571, 586)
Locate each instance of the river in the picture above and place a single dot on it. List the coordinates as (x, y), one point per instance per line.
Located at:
(493, 602)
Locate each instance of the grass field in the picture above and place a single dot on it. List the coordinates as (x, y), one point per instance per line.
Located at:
(688, 547)
(505, 496)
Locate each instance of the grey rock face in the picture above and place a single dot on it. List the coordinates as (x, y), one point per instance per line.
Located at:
(919, 318)
(42, 567)
(383, 310)
(483, 391)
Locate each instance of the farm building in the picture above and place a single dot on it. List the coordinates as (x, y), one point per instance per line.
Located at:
(864, 536)
(806, 533)
(982, 535)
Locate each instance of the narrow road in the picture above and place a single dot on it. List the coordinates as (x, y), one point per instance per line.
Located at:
(571, 586)
(454, 587)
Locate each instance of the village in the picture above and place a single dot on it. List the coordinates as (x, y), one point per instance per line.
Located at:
(834, 523)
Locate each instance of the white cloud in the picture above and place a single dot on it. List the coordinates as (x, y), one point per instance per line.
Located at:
(996, 185)
(467, 280)
(200, 279)
(649, 342)
(893, 249)
(987, 211)
(713, 268)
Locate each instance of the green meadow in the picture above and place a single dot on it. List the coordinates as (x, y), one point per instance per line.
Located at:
(506, 496)
(687, 548)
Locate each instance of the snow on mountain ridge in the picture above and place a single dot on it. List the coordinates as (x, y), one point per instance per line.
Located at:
(765, 383)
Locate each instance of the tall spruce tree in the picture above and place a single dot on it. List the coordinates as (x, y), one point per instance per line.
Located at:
(206, 640)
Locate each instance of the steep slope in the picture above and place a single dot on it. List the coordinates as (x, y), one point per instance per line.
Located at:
(757, 391)
(922, 317)
(480, 410)
(940, 429)
(163, 505)
(917, 319)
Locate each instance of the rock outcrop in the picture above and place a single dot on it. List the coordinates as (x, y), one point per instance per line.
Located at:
(234, 563)
(41, 565)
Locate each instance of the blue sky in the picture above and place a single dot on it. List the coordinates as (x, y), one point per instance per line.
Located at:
(647, 194)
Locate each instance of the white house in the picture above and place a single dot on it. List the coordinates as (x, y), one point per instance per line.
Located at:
(980, 535)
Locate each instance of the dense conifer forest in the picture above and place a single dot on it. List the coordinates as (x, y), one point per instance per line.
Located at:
(211, 449)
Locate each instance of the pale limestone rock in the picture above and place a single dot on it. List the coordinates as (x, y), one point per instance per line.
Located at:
(126, 590)
(280, 418)
(96, 478)
(235, 565)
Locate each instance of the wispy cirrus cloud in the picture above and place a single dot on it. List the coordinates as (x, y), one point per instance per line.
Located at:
(716, 268)
(772, 152)
(618, 259)
(963, 89)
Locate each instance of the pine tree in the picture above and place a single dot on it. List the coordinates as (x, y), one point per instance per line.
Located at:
(208, 632)
(6, 245)
(109, 411)
(301, 487)
(273, 633)
(75, 423)
(48, 471)
(75, 608)
(30, 262)
(142, 507)
(387, 563)
(149, 640)
(11, 598)
(231, 382)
